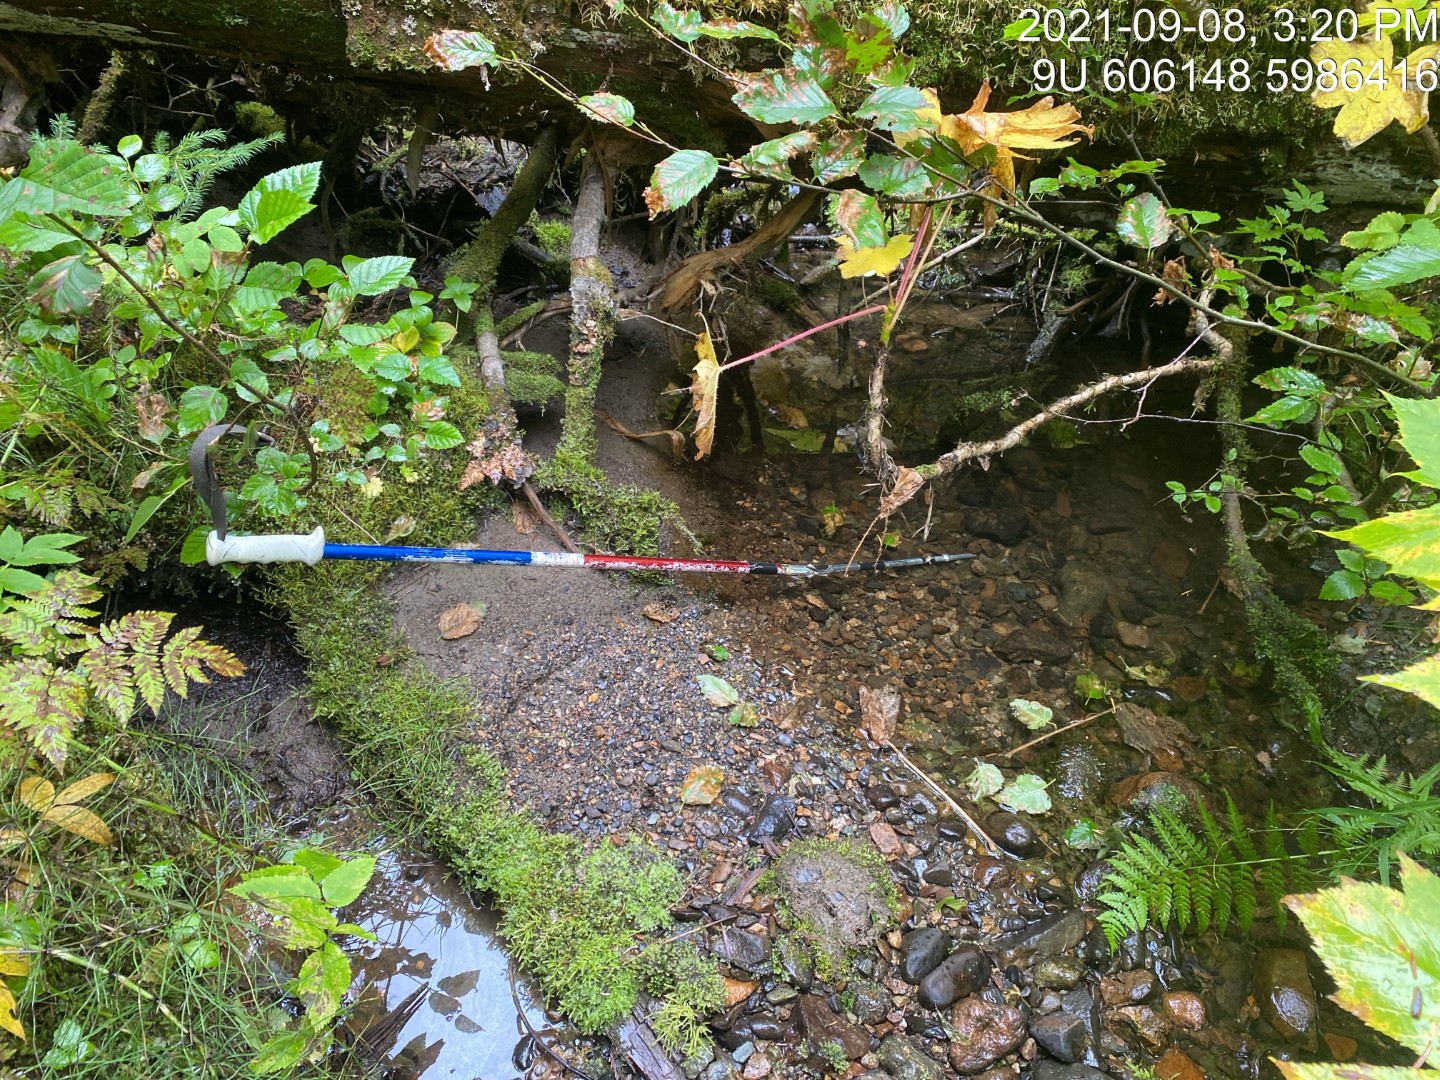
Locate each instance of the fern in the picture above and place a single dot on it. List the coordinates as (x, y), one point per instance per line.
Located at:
(44, 696)
(1405, 816)
(1201, 878)
(200, 156)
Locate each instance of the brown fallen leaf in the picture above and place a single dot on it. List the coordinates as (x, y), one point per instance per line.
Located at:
(879, 709)
(660, 613)
(677, 440)
(459, 621)
(704, 389)
(907, 483)
(702, 785)
(523, 518)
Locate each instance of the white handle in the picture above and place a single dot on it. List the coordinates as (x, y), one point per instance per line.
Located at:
(265, 549)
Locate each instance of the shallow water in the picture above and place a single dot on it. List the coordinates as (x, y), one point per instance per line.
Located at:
(433, 938)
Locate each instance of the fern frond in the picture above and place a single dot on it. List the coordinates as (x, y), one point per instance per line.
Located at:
(185, 658)
(42, 702)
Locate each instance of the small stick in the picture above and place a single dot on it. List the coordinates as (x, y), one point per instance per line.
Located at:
(530, 1028)
(539, 508)
(738, 895)
(980, 834)
(1058, 731)
(1210, 595)
(129, 984)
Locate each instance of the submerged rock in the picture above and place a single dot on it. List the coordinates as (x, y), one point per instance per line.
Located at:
(837, 892)
(903, 1060)
(1051, 936)
(1032, 644)
(1286, 995)
(1011, 832)
(1007, 526)
(984, 1033)
(822, 1025)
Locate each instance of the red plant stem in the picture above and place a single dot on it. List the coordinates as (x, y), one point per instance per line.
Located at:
(871, 310)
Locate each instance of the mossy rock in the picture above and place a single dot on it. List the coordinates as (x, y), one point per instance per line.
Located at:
(840, 891)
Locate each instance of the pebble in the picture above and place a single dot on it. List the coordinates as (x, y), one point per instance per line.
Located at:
(882, 796)
(821, 1024)
(984, 1033)
(757, 1067)
(795, 962)
(737, 804)
(744, 950)
(951, 829)
(781, 994)
(1054, 1070)
(990, 872)
(1058, 973)
(1011, 832)
(742, 1052)
(921, 953)
(1127, 988)
(1030, 643)
(1176, 1065)
(960, 974)
(1286, 995)
(775, 820)
(1149, 1024)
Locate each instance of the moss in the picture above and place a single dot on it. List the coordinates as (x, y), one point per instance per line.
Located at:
(554, 238)
(256, 119)
(776, 294)
(613, 517)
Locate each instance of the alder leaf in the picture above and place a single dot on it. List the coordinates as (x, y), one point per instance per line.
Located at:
(611, 108)
(717, 691)
(681, 25)
(837, 157)
(1144, 222)
(725, 29)
(83, 823)
(704, 390)
(772, 158)
(860, 218)
(901, 177)
(876, 260)
(459, 621)
(679, 178)
(879, 712)
(784, 97)
(1032, 714)
(455, 50)
(985, 780)
(744, 715)
(1419, 420)
(1025, 794)
(702, 785)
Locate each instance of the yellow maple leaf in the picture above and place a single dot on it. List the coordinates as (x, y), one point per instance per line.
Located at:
(931, 118)
(1378, 101)
(704, 389)
(1043, 126)
(873, 260)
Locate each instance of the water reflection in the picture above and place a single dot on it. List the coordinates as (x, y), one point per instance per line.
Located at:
(434, 989)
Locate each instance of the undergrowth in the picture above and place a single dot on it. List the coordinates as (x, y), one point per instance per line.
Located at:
(572, 918)
(1220, 871)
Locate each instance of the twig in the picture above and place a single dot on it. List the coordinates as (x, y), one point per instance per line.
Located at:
(539, 508)
(1058, 731)
(128, 983)
(1209, 596)
(737, 895)
(530, 1028)
(980, 834)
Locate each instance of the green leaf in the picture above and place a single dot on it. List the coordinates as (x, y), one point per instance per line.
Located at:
(1025, 794)
(744, 715)
(371, 277)
(1084, 835)
(278, 201)
(679, 178)
(784, 97)
(146, 510)
(322, 982)
(681, 25)
(63, 175)
(68, 1046)
(22, 582)
(1343, 585)
(838, 156)
(984, 780)
(1290, 407)
(1416, 256)
(772, 158)
(611, 108)
(306, 922)
(1144, 222)
(224, 238)
(1321, 460)
(859, 217)
(1388, 592)
(318, 273)
(893, 17)
(1421, 679)
(365, 333)
(895, 108)
(725, 29)
(437, 371)
(1382, 233)
(192, 550)
(280, 1053)
(1382, 949)
(201, 406)
(717, 691)
(443, 435)
(1032, 714)
(456, 50)
(347, 881)
(1419, 421)
(21, 233)
(901, 177)
(270, 882)
(316, 862)
(1409, 541)
(67, 286)
(41, 549)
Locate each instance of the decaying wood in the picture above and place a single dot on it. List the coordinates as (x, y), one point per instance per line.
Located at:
(644, 1050)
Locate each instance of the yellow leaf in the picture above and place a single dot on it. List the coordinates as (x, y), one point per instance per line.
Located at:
(406, 339)
(36, 792)
(8, 1020)
(82, 789)
(930, 119)
(1043, 126)
(81, 822)
(1370, 109)
(13, 963)
(10, 837)
(704, 389)
(874, 260)
(372, 487)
